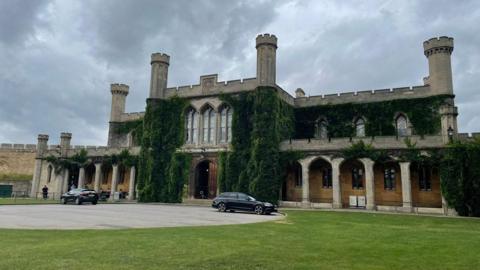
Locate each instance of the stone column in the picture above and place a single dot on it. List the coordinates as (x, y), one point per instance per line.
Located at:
(98, 176)
(81, 178)
(305, 182)
(336, 186)
(369, 182)
(66, 177)
(131, 186)
(114, 181)
(60, 179)
(406, 186)
(41, 149)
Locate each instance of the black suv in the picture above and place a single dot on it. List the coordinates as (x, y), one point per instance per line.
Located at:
(241, 201)
(79, 196)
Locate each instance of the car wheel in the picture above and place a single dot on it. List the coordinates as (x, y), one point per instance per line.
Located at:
(232, 211)
(78, 201)
(222, 207)
(258, 209)
(64, 200)
(94, 202)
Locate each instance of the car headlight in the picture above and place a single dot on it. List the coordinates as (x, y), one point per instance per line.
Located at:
(268, 204)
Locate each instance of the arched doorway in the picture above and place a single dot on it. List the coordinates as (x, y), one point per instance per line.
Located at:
(320, 181)
(206, 180)
(352, 181)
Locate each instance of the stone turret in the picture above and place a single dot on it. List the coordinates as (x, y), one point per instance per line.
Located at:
(266, 45)
(119, 96)
(158, 81)
(65, 139)
(438, 52)
(42, 145)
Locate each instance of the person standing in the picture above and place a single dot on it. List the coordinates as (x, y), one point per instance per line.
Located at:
(45, 192)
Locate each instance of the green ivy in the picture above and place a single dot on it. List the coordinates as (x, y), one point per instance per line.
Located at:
(159, 166)
(261, 120)
(134, 126)
(460, 177)
(423, 114)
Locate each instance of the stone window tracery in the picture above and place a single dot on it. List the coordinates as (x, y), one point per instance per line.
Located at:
(209, 125)
(191, 127)
(401, 125)
(226, 125)
(389, 179)
(321, 129)
(360, 127)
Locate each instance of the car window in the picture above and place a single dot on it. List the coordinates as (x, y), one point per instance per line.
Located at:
(251, 198)
(242, 197)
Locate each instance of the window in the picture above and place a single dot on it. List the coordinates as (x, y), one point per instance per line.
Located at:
(191, 126)
(401, 125)
(321, 129)
(226, 125)
(425, 178)
(209, 125)
(357, 178)
(49, 173)
(327, 178)
(389, 179)
(360, 127)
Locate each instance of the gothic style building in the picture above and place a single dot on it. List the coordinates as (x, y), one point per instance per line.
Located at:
(321, 178)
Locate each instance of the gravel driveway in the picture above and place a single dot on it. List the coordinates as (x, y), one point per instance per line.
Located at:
(119, 216)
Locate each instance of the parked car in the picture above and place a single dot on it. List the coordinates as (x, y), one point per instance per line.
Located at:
(79, 196)
(240, 201)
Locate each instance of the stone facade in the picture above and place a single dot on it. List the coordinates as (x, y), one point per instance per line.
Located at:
(17, 160)
(320, 179)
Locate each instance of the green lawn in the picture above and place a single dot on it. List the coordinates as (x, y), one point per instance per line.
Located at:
(26, 201)
(305, 240)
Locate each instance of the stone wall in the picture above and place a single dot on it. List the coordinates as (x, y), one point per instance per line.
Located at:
(17, 161)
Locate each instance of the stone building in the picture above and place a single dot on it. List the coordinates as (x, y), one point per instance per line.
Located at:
(321, 179)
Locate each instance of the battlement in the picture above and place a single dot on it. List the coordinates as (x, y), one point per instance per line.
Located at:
(66, 135)
(441, 44)
(132, 116)
(118, 88)
(266, 39)
(16, 146)
(365, 96)
(210, 86)
(42, 137)
(161, 58)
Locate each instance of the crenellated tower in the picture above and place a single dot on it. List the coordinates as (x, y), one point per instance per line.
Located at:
(266, 45)
(119, 96)
(158, 81)
(438, 52)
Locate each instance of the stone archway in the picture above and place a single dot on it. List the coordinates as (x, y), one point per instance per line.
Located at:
(205, 180)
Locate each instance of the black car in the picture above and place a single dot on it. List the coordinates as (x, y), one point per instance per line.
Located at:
(241, 201)
(79, 196)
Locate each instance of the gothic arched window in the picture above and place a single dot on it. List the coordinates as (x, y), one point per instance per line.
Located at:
(360, 127)
(209, 125)
(401, 125)
(321, 129)
(225, 124)
(191, 126)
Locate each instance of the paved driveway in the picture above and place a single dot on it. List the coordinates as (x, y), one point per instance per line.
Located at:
(118, 216)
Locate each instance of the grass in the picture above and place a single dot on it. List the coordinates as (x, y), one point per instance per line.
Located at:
(10, 201)
(304, 240)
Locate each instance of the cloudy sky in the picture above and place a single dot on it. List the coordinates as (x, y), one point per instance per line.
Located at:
(58, 58)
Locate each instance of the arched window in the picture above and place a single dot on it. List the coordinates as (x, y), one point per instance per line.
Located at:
(321, 129)
(401, 125)
(209, 125)
(49, 173)
(191, 126)
(389, 179)
(327, 178)
(360, 127)
(225, 124)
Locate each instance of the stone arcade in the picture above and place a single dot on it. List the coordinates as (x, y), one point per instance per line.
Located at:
(319, 180)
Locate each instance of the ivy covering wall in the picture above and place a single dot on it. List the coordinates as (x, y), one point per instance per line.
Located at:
(261, 121)
(161, 171)
(423, 113)
(460, 177)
